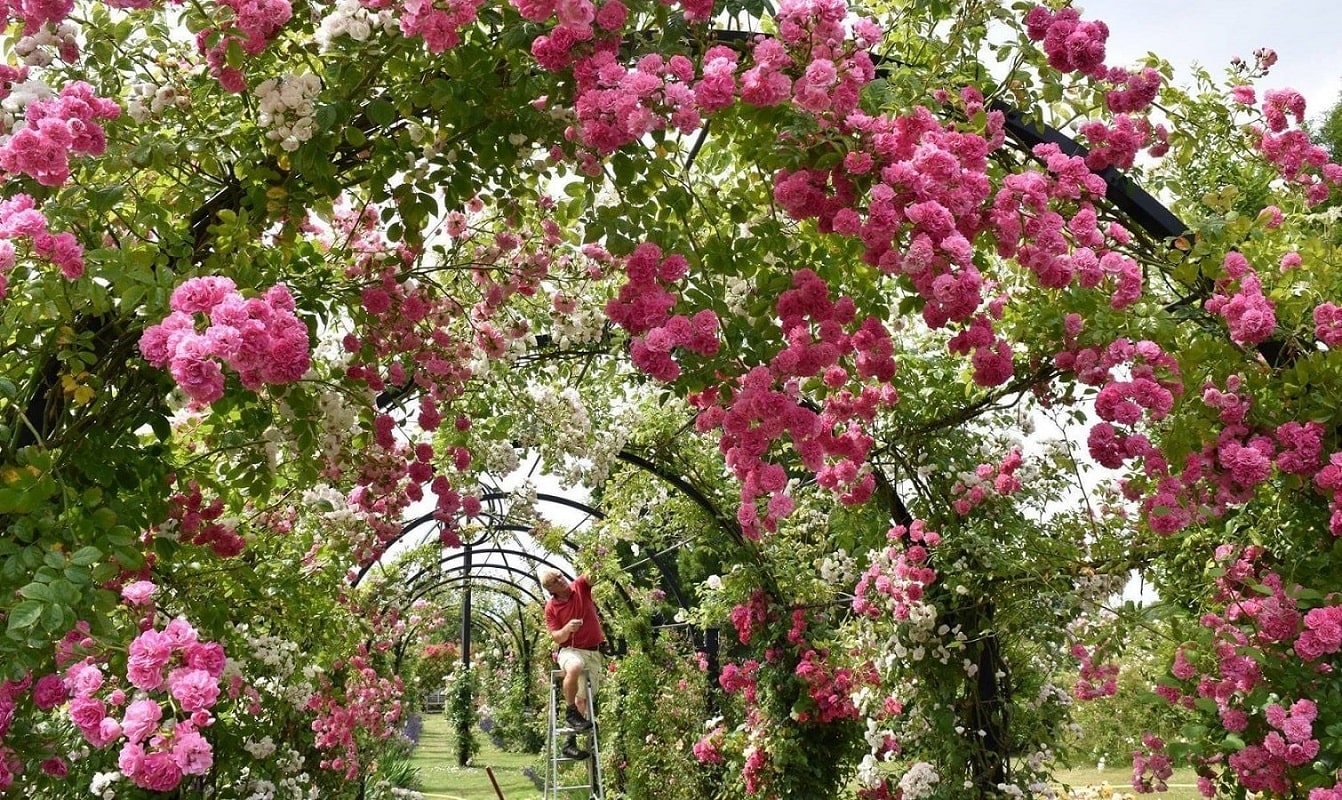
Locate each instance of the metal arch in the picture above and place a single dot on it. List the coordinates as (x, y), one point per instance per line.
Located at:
(525, 645)
(487, 497)
(518, 634)
(1127, 196)
(444, 577)
(471, 612)
(509, 568)
(725, 522)
(668, 579)
(499, 626)
(421, 593)
(499, 523)
(1138, 204)
(536, 559)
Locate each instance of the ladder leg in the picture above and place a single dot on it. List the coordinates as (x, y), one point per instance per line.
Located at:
(552, 752)
(594, 763)
(554, 788)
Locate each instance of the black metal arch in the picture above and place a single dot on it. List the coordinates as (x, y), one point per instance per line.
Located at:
(499, 523)
(469, 612)
(537, 562)
(500, 625)
(515, 570)
(488, 497)
(500, 622)
(493, 621)
(463, 573)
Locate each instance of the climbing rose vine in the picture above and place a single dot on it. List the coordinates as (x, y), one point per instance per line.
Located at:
(900, 365)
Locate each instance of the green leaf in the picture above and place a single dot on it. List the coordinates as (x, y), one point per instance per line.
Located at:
(380, 112)
(85, 556)
(121, 536)
(25, 615)
(234, 55)
(105, 571)
(38, 591)
(64, 592)
(56, 618)
(78, 576)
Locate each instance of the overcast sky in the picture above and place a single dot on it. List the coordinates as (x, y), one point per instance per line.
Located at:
(1211, 32)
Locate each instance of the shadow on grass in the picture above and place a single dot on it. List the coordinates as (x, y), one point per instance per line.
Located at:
(436, 760)
(1090, 784)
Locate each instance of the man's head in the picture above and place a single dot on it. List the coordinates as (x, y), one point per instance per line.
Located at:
(553, 582)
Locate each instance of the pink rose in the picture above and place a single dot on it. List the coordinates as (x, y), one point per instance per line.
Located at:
(87, 713)
(208, 656)
(201, 294)
(180, 633)
(149, 653)
(194, 689)
(192, 753)
(158, 772)
(130, 759)
(83, 679)
(49, 692)
(196, 371)
(141, 719)
(138, 593)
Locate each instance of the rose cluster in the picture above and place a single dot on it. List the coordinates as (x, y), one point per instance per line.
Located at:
(157, 714)
(254, 25)
(972, 490)
(55, 129)
(286, 107)
(20, 220)
(643, 308)
(260, 338)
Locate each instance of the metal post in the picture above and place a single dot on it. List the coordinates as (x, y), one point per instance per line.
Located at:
(466, 613)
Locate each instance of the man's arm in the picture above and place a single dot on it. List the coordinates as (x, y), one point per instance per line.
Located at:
(562, 634)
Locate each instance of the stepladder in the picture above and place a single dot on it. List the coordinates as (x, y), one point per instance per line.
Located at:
(569, 777)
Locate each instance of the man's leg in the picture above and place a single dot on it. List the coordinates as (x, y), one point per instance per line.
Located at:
(572, 664)
(572, 680)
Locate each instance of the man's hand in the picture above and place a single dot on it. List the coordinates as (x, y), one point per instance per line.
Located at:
(572, 625)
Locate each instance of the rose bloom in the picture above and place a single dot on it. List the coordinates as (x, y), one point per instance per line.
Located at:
(208, 656)
(142, 718)
(149, 653)
(138, 593)
(192, 753)
(158, 772)
(49, 692)
(194, 689)
(87, 713)
(56, 767)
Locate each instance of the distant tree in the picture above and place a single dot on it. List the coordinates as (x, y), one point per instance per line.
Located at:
(1328, 130)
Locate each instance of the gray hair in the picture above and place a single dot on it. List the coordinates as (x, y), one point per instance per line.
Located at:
(545, 573)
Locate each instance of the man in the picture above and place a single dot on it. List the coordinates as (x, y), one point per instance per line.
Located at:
(570, 616)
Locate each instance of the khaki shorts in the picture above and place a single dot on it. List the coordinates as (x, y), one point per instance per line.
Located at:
(590, 660)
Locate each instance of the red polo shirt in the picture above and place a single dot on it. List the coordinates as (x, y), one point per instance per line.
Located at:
(579, 605)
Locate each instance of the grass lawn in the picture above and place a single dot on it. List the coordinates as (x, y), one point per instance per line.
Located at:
(436, 759)
(1091, 784)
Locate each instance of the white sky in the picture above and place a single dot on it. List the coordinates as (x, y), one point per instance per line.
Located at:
(1211, 32)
